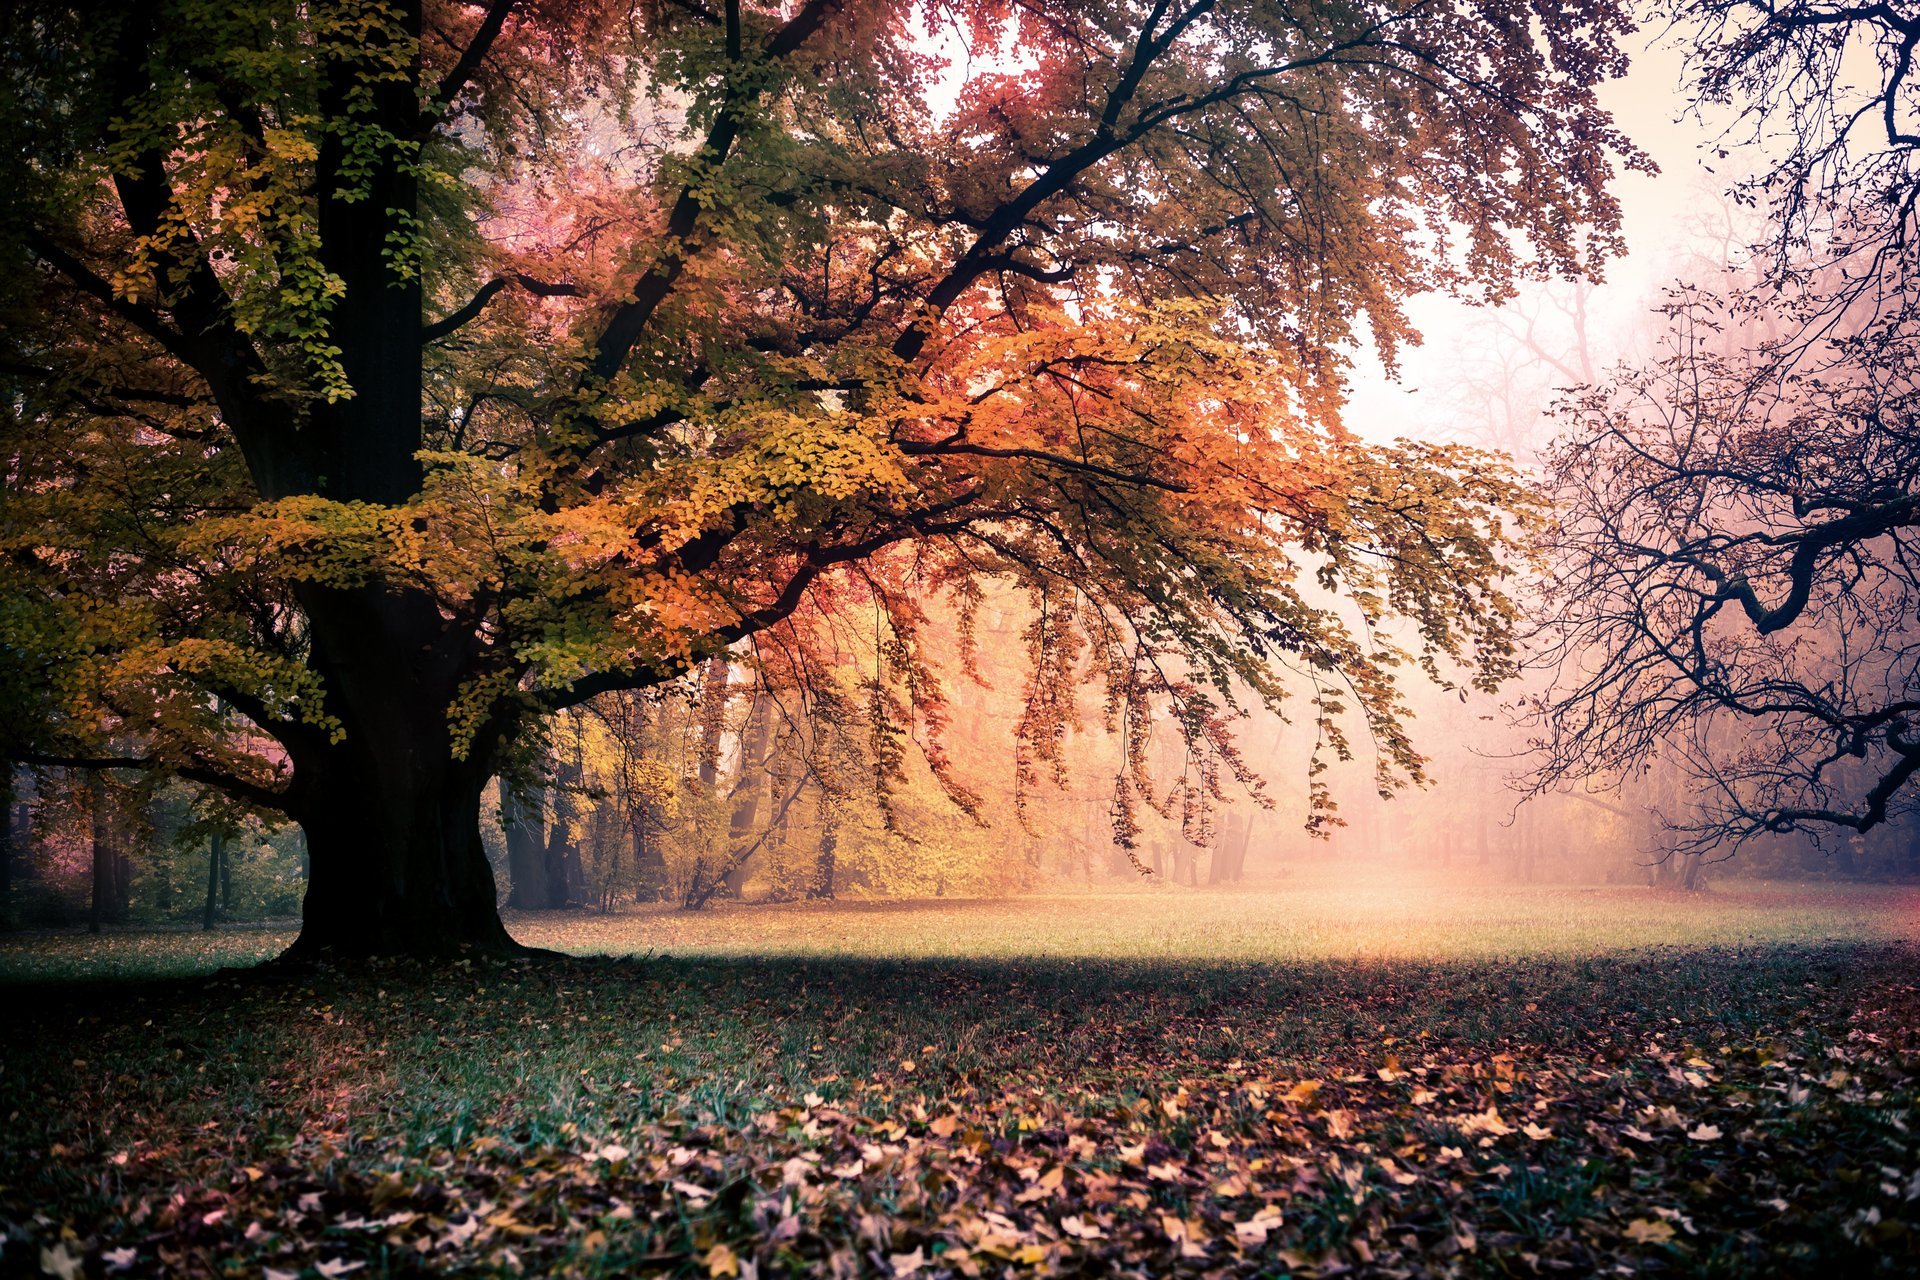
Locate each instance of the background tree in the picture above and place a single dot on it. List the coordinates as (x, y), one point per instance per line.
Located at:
(1735, 589)
(384, 375)
(1735, 572)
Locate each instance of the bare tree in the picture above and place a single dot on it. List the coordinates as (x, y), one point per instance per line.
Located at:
(1825, 91)
(1736, 568)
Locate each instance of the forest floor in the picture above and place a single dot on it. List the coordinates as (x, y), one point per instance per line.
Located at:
(1376, 1077)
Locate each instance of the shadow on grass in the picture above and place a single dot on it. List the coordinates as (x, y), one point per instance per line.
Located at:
(1010, 1011)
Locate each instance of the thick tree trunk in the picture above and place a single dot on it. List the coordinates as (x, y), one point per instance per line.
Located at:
(398, 868)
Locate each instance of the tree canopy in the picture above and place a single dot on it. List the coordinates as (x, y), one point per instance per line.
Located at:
(384, 375)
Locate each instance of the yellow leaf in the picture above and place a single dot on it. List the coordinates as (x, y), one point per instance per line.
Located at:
(721, 1261)
(1647, 1231)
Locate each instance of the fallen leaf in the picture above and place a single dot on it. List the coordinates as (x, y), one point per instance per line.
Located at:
(58, 1262)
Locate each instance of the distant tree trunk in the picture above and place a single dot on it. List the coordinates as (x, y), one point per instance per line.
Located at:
(21, 820)
(1230, 855)
(565, 873)
(107, 903)
(6, 837)
(226, 882)
(1690, 874)
(216, 856)
(530, 888)
(649, 861)
(824, 866)
(755, 743)
(713, 719)
(1843, 858)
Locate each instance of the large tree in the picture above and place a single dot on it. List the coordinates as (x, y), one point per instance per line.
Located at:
(385, 374)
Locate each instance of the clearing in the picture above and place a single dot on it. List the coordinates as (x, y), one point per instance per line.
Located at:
(1394, 1075)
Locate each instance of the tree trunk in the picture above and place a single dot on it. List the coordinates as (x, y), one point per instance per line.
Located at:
(104, 904)
(530, 887)
(216, 856)
(566, 877)
(1843, 858)
(393, 831)
(22, 841)
(649, 861)
(6, 838)
(755, 740)
(824, 866)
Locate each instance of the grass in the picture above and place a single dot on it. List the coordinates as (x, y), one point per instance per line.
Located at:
(1718, 1085)
(1320, 915)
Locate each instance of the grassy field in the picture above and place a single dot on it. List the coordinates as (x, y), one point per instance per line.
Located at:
(1389, 1076)
(1314, 915)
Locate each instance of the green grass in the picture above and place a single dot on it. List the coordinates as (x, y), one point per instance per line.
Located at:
(855, 1088)
(1322, 914)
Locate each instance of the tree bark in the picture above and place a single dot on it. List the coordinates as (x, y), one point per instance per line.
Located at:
(649, 861)
(824, 867)
(398, 868)
(566, 877)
